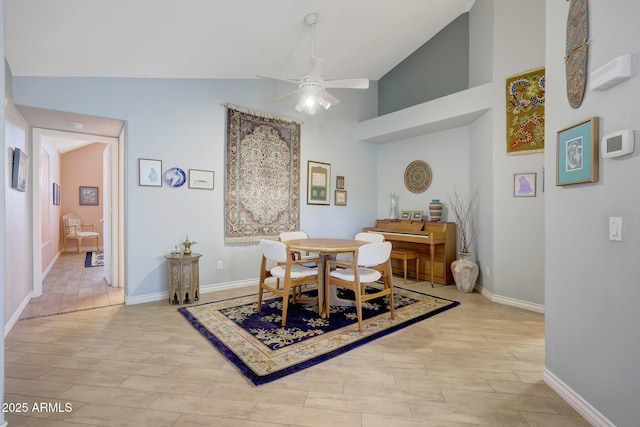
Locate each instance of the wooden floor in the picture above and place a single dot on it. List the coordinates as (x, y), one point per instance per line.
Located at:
(70, 286)
(479, 364)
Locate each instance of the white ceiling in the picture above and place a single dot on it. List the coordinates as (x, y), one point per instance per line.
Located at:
(217, 38)
(209, 39)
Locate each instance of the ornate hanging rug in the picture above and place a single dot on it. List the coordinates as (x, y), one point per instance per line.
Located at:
(263, 351)
(262, 195)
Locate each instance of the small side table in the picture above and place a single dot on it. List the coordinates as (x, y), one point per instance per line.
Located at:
(184, 278)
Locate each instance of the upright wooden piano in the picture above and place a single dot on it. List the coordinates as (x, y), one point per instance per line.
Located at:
(436, 242)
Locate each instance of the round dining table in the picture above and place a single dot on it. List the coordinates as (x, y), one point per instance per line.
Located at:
(326, 247)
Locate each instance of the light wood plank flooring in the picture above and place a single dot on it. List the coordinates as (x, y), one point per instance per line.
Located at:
(479, 364)
(70, 286)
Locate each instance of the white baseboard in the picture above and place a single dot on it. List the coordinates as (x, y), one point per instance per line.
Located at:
(538, 308)
(576, 401)
(50, 266)
(159, 296)
(16, 314)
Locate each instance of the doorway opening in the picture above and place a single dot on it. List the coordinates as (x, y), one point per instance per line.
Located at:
(109, 278)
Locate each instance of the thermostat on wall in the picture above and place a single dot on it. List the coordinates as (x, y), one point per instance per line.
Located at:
(617, 143)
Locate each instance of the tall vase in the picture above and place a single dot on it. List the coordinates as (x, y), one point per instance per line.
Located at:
(465, 272)
(392, 210)
(435, 210)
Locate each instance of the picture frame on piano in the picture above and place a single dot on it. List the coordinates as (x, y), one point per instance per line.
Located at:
(405, 214)
(417, 215)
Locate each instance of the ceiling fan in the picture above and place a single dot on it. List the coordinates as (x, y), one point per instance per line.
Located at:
(311, 91)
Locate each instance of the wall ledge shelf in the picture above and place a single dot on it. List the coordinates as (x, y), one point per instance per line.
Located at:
(449, 112)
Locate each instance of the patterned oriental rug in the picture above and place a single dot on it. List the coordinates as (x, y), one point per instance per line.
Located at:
(263, 351)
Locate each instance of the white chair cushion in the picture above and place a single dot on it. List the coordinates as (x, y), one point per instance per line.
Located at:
(370, 237)
(374, 254)
(367, 275)
(274, 251)
(292, 235)
(297, 271)
(74, 227)
(87, 234)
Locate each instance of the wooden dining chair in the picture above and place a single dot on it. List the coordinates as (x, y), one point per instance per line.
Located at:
(287, 270)
(365, 237)
(285, 236)
(74, 229)
(362, 270)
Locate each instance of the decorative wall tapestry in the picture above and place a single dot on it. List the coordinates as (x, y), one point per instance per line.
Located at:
(525, 112)
(262, 195)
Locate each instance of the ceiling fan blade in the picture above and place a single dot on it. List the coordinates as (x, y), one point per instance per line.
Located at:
(347, 84)
(288, 95)
(317, 65)
(332, 99)
(279, 79)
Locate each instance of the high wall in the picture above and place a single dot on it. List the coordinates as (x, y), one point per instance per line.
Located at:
(592, 320)
(437, 68)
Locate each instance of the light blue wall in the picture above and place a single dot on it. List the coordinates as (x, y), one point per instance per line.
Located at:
(182, 123)
(439, 67)
(446, 152)
(592, 316)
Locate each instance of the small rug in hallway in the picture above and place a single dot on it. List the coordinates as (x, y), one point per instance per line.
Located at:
(264, 351)
(94, 259)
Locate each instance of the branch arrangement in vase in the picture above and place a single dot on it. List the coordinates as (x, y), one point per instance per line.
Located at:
(464, 210)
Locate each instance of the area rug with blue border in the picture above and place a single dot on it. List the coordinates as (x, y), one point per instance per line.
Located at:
(94, 259)
(263, 351)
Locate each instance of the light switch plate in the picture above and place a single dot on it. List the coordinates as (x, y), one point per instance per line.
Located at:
(615, 228)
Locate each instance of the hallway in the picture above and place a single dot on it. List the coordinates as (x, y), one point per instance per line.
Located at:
(70, 286)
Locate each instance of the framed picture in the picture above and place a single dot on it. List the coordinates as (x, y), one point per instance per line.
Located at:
(340, 198)
(201, 179)
(150, 172)
(20, 165)
(89, 196)
(577, 153)
(405, 214)
(525, 96)
(318, 179)
(56, 194)
(417, 215)
(524, 184)
(340, 182)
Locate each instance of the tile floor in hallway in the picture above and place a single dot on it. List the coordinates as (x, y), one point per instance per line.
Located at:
(479, 364)
(70, 286)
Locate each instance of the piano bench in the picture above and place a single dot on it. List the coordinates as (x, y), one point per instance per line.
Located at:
(405, 255)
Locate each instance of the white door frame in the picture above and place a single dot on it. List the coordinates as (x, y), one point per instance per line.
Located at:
(117, 189)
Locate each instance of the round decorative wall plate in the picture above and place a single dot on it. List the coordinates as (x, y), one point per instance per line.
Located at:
(175, 177)
(417, 176)
(576, 51)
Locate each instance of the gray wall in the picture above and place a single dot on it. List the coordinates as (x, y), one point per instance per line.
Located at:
(439, 67)
(592, 316)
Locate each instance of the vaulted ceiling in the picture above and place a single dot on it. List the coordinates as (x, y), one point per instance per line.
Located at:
(217, 38)
(225, 39)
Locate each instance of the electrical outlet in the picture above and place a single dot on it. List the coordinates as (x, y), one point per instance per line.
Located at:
(219, 265)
